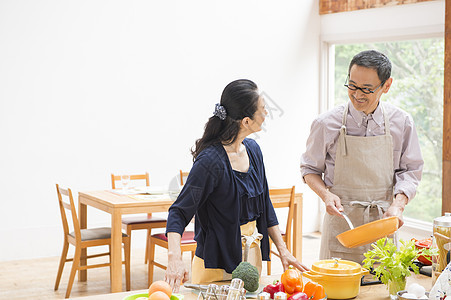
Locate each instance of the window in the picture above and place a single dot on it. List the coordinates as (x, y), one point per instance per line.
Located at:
(418, 74)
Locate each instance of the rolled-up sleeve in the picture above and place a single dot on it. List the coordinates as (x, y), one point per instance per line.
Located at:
(313, 160)
(408, 175)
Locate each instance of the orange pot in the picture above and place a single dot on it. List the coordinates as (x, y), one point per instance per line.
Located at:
(340, 278)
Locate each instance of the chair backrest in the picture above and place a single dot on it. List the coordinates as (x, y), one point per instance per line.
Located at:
(285, 198)
(115, 178)
(68, 205)
(183, 175)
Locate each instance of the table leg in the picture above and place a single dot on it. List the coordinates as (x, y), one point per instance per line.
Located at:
(116, 252)
(297, 228)
(83, 218)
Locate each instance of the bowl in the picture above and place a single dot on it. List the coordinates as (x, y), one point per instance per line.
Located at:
(146, 295)
(400, 293)
(424, 244)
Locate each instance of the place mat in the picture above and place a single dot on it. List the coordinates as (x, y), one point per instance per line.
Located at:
(150, 197)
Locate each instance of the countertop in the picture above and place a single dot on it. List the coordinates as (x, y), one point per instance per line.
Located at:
(371, 292)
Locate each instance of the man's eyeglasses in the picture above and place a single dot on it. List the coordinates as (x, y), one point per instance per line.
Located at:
(367, 91)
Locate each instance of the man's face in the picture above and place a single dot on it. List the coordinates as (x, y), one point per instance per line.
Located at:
(363, 77)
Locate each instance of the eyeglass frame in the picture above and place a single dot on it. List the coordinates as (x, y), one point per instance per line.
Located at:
(366, 91)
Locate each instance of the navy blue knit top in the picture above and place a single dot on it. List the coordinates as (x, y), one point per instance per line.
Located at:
(222, 200)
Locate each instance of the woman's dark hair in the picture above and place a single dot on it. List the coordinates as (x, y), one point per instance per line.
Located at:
(374, 60)
(240, 99)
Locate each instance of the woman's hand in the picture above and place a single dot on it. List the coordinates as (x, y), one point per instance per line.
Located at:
(176, 273)
(288, 259)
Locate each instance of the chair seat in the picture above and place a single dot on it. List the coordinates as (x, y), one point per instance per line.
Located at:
(187, 237)
(141, 219)
(95, 233)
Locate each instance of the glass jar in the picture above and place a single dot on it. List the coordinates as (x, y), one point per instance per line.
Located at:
(211, 292)
(441, 241)
(235, 289)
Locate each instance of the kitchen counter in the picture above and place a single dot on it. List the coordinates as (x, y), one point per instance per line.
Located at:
(371, 292)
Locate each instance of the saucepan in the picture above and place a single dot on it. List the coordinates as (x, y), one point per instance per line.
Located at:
(368, 233)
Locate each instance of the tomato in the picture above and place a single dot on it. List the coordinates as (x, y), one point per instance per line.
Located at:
(292, 281)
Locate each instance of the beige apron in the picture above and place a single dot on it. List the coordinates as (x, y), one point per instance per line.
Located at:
(250, 239)
(363, 179)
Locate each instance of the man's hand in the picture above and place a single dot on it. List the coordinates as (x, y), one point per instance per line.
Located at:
(332, 201)
(333, 204)
(397, 207)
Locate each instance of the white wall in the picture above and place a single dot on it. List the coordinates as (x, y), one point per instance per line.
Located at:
(93, 87)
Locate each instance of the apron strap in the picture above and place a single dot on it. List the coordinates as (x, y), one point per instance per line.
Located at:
(343, 131)
(248, 240)
(379, 204)
(386, 120)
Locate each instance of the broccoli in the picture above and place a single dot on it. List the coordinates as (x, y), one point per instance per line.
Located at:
(249, 274)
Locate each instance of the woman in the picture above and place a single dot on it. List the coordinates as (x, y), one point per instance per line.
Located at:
(227, 191)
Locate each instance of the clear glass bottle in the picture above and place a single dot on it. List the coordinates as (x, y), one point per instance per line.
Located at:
(280, 296)
(441, 241)
(263, 296)
(235, 289)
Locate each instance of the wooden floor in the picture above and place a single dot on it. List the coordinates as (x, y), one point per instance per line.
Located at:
(34, 279)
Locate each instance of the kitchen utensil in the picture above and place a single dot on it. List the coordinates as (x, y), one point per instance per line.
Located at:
(347, 219)
(368, 233)
(400, 295)
(200, 287)
(340, 278)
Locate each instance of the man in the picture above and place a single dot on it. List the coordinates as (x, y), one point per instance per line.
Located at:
(368, 152)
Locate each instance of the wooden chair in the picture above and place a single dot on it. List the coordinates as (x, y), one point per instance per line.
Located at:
(187, 244)
(148, 222)
(287, 235)
(84, 238)
(183, 175)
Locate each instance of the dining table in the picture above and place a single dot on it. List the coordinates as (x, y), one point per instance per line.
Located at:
(117, 204)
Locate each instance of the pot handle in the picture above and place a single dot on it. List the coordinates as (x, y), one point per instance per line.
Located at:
(364, 271)
(312, 276)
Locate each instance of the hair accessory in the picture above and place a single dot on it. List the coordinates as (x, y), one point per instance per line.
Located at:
(220, 112)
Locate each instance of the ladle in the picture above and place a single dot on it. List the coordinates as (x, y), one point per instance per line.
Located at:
(347, 219)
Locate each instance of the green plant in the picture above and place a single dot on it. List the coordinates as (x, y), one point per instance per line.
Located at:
(392, 263)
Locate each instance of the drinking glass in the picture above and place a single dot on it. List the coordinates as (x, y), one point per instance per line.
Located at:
(125, 180)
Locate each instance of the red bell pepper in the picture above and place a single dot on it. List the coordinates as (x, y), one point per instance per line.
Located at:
(273, 288)
(298, 296)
